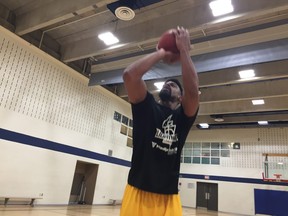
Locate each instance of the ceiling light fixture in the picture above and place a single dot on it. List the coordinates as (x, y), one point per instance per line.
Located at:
(246, 74)
(258, 102)
(204, 125)
(221, 7)
(219, 119)
(159, 85)
(263, 122)
(108, 38)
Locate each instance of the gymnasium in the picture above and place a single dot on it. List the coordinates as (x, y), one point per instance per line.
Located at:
(66, 122)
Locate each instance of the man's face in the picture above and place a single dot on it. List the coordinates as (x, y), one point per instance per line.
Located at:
(170, 92)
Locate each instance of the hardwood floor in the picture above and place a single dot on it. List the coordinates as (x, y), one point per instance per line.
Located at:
(87, 210)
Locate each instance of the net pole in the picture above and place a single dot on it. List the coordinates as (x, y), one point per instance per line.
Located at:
(266, 170)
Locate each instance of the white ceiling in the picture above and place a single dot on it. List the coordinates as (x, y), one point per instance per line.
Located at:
(255, 36)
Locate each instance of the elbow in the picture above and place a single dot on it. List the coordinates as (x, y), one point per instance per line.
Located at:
(126, 76)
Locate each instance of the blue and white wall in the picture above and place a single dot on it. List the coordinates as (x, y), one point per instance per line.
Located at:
(238, 175)
(50, 118)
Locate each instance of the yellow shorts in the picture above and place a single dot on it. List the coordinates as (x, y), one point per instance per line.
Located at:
(141, 203)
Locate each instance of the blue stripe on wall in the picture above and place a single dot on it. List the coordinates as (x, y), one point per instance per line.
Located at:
(232, 179)
(46, 144)
(54, 146)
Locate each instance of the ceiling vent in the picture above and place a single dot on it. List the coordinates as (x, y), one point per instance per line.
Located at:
(124, 13)
(124, 9)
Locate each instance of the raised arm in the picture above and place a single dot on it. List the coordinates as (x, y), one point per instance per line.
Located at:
(132, 76)
(190, 98)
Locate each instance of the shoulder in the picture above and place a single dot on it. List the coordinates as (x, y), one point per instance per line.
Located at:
(148, 99)
(180, 111)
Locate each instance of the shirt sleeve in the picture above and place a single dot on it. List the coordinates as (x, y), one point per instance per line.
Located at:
(143, 105)
(189, 120)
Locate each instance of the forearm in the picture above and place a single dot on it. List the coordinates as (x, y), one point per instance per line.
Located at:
(189, 75)
(132, 76)
(137, 69)
(190, 84)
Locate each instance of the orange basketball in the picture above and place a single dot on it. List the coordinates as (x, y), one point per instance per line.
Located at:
(167, 41)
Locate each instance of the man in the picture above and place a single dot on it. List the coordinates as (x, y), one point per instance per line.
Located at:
(159, 132)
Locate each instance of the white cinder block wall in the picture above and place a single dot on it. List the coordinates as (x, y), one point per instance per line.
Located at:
(42, 98)
(247, 162)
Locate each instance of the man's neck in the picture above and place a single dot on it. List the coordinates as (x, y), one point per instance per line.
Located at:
(171, 104)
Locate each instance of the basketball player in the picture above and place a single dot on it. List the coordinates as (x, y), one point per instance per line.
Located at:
(159, 132)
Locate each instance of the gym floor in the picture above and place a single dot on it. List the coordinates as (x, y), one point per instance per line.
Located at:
(87, 210)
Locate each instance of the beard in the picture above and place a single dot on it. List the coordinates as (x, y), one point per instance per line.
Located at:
(165, 95)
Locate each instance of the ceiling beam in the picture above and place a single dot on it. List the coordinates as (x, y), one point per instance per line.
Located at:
(241, 91)
(241, 56)
(246, 90)
(58, 11)
(242, 119)
(264, 71)
(192, 17)
(205, 47)
(243, 106)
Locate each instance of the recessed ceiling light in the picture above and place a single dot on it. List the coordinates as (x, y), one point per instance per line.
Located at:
(218, 119)
(263, 122)
(258, 102)
(204, 125)
(245, 74)
(221, 7)
(108, 38)
(159, 85)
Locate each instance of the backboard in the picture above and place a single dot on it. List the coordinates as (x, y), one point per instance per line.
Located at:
(275, 167)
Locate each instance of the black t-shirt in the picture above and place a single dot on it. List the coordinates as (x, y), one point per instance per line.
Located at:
(159, 134)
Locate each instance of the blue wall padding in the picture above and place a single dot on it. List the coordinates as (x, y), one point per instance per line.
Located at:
(271, 202)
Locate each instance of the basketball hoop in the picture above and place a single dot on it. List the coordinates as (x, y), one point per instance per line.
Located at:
(278, 177)
(276, 168)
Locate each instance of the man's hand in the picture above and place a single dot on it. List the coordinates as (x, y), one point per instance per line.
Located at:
(169, 57)
(182, 39)
(183, 44)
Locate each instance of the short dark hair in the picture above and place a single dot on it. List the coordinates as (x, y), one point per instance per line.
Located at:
(177, 82)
